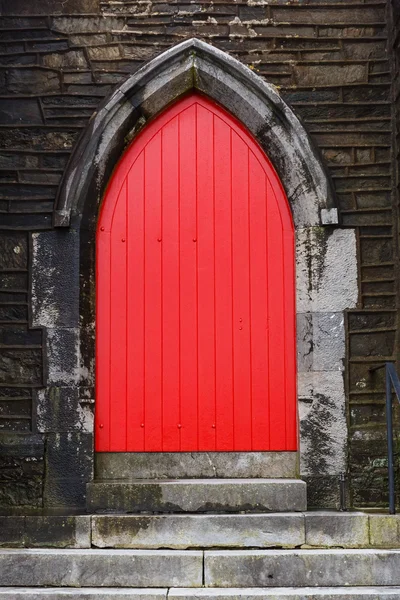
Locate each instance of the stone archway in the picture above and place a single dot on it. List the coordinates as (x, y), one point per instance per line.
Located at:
(193, 64)
(325, 256)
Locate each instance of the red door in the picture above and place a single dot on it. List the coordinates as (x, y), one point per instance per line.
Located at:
(195, 292)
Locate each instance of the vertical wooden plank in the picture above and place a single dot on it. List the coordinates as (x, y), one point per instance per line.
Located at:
(118, 326)
(276, 322)
(259, 305)
(223, 286)
(241, 295)
(206, 278)
(188, 279)
(290, 341)
(170, 286)
(135, 307)
(103, 345)
(152, 296)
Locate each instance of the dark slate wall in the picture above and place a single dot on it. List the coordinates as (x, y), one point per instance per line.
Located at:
(59, 58)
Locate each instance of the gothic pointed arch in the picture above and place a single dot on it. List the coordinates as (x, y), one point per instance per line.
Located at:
(196, 65)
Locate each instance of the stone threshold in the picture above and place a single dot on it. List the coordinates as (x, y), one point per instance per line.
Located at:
(196, 465)
(302, 530)
(294, 593)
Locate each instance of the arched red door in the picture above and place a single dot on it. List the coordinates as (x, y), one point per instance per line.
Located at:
(195, 340)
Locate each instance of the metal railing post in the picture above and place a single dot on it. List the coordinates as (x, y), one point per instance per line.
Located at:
(389, 425)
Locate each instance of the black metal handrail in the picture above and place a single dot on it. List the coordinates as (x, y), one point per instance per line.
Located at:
(391, 379)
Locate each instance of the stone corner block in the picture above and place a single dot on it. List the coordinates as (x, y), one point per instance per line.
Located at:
(337, 529)
(384, 531)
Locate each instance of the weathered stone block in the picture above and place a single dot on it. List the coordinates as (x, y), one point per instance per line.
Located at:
(326, 593)
(68, 468)
(324, 16)
(59, 410)
(46, 7)
(323, 426)
(183, 465)
(199, 495)
(12, 529)
(13, 250)
(65, 493)
(384, 531)
(320, 341)
(87, 594)
(20, 111)
(55, 305)
(101, 568)
(201, 531)
(345, 530)
(104, 52)
(267, 568)
(42, 81)
(21, 470)
(73, 59)
(329, 342)
(80, 24)
(330, 284)
(45, 531)
(80, 77)
(21, 366)
(57, 531)
(63, 356)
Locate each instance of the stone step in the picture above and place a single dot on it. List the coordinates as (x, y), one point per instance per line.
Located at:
(340, 593)
(197, 495)
(101, 568)
(306, 593)
(179, 465)
(319, 529)
(287, 568)
(199, 531)
(314, 529)
(195, 569)
(82, 594)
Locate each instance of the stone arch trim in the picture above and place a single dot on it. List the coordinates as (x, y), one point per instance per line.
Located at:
(194, 64)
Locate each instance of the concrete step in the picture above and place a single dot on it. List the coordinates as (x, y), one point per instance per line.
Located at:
(193, 569)
(340, 593)
(197, 495)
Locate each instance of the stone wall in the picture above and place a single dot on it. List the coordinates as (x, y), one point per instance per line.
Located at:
(59, 58)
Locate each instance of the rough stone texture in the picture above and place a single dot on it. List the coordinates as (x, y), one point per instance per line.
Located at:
(173, 465)
(207, 531)
(101, 568)
(68, 467)
(45, 531)
(266, 568)
(85, 594)
(384, 531)
(84, 48)
(22, 470)
(198, 495)
(345, 530)
(308, 593)
(359, 593)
